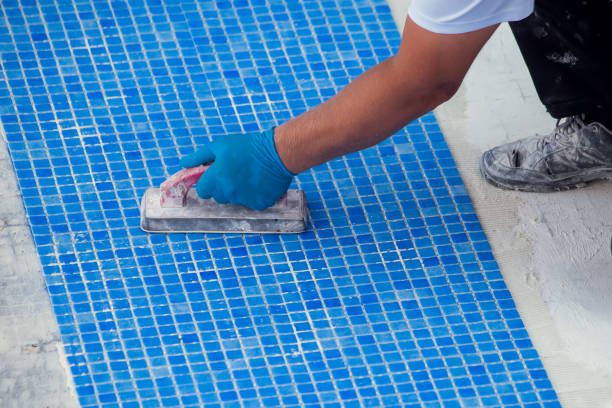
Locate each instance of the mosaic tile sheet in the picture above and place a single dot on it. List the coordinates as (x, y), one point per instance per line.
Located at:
(392, 297)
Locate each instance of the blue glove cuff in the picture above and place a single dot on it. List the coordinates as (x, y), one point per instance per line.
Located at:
(269, 138)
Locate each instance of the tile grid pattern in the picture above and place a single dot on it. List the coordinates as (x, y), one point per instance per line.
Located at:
(393, 298)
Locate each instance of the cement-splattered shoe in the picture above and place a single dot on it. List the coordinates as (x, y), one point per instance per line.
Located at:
(572, 155)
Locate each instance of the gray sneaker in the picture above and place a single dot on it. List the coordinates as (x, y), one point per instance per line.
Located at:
(572, 155)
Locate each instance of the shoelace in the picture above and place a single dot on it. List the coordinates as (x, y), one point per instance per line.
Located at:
(563, 129)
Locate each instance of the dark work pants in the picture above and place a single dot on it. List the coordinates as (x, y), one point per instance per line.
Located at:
(567, 46)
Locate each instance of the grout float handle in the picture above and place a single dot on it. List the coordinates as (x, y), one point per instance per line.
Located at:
(174, 190)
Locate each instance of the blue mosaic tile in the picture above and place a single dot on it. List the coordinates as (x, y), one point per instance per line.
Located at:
(392, 298)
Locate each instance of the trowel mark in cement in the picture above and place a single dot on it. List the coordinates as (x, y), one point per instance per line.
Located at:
(572, 263)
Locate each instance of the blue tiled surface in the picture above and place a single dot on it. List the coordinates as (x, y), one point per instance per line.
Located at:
(392, 298)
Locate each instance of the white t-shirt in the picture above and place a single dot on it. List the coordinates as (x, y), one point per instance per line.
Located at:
(462, 16)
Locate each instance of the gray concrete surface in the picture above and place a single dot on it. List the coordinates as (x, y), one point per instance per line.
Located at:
(33, 368)
(553, 249)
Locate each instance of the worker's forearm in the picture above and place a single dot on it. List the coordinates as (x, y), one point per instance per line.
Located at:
(373, 107)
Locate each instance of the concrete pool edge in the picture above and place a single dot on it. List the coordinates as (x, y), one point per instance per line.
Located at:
(36, 371)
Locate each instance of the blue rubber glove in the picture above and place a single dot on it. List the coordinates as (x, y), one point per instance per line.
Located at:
(246, 170)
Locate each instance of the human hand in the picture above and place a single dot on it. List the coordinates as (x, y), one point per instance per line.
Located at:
(245, 170)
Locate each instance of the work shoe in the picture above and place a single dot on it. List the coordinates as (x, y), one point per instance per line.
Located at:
(569, 157)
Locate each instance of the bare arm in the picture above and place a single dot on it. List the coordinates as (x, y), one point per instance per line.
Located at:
(426, 71)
